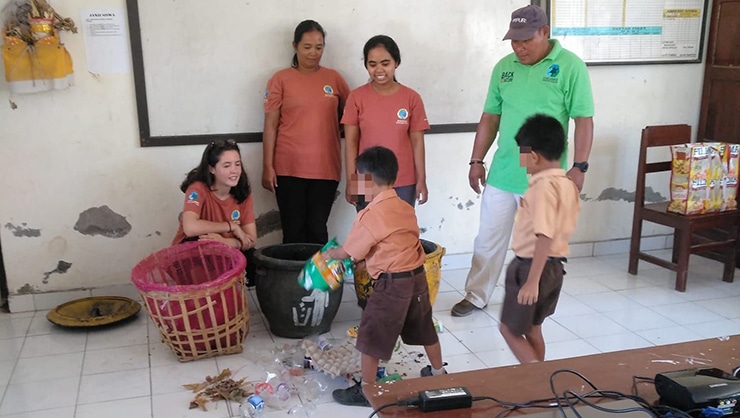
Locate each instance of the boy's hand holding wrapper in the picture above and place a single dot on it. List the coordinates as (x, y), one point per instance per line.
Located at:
(327, 269)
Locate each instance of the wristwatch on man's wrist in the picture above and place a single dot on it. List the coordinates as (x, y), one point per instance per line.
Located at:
(583, 166)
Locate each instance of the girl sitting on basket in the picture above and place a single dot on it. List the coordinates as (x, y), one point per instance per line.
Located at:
(218, 202)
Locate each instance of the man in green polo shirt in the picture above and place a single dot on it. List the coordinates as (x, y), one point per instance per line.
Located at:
(539, 77)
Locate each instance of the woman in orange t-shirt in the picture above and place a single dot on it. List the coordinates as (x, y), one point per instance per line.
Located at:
(386, 113)
(218, 202)
(301, 141)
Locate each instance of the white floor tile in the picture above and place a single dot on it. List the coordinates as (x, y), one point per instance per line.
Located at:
(455, 323)
(672, 335)
(35, 396)
(36, 369)
(576, 286)
(6, 370)
(653, 296)
(639, 319)
(553, 332)
(45, 345)
(66, 412)
(617, 342)
(592, 325)
(446, 300)
(451, 346)
(114, 386)
(10, 348)
(687, 313)
(568, 349)
(124, 408)
(12, 326)
(721, 328)
(455, 278)
(570, 306)
(41, 326)
(726, 307)
(621, 281)
(481, 339)
(131, 333)
(608, 301)
(497, 358)
(116, 359)
(463, 363)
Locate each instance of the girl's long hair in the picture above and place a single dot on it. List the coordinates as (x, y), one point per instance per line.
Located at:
(211, 156)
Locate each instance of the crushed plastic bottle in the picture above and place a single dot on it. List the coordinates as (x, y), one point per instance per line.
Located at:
(252, 407)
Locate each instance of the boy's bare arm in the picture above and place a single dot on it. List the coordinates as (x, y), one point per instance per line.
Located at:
(529, 293)
(335, 253)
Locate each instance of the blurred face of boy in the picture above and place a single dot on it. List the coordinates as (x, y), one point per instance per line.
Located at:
(529, 159)
(362, 188)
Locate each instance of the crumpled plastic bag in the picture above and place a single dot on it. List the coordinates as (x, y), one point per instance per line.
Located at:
(325, 275)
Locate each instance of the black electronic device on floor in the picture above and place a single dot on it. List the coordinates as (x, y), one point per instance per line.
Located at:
(699, 388)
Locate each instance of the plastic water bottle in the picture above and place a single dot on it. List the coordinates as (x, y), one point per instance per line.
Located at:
(252, 407)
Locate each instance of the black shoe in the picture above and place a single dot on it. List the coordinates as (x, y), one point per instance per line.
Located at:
(427, 371)
(352, 396)
(463, 308)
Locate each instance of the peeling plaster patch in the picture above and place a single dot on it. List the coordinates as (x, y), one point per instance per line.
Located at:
(102, 221)
(460, 206)
(22, 231)
(268, 222)
(422, 230)
(469, 203)
(440, 223)
(584, 197)
(62, 267)
(159, 234)
(621, 194)
(27, 289)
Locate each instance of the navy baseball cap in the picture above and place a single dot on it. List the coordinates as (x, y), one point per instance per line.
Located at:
(525, 22)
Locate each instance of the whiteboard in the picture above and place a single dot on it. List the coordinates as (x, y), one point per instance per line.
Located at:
(630, 31)
(204, 65)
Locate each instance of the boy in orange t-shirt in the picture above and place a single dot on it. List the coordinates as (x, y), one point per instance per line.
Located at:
(386, 235)
(544, 222)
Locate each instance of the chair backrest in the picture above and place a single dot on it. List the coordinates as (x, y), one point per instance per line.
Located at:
(657, 136)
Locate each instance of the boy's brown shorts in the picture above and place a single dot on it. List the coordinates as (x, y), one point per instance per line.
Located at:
(520, 318)
(398, 306)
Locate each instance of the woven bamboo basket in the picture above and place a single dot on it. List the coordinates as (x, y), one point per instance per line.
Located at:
(195, 293)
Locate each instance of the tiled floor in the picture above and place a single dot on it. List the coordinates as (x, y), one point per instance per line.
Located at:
(125, 371)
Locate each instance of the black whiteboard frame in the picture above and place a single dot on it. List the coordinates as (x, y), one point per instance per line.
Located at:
(699, 60)
(142, 107)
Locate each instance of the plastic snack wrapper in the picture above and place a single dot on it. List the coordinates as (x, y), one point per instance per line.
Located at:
(325, 275)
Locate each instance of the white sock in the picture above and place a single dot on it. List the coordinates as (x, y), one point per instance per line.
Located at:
(437, 372)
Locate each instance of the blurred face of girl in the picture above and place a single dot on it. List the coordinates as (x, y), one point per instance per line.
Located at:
(380, 65)
(309, 50)
(227, 170)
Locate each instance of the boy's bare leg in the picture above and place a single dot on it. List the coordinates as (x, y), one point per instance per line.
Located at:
(536, 340)
(519, 345)
(369, 367)
(434, 353)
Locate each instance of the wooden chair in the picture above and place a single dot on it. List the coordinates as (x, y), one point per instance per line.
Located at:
(685, 241)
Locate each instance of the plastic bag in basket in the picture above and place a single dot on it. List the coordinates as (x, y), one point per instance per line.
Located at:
(323, 274)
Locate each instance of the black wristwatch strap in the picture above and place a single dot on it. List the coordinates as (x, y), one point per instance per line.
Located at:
(583, 166)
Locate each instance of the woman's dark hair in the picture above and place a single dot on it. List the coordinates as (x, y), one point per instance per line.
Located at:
(305, 27)
(386, 42)
(211, 156)
(379, 162)
(544, 135)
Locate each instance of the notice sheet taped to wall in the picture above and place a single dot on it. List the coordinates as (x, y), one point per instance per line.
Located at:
(630, 31)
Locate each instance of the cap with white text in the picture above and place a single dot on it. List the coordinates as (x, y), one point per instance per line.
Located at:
(525, 22)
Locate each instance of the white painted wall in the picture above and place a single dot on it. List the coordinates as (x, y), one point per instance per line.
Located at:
(66, 151)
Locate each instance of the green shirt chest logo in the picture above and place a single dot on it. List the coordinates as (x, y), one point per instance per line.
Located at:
(507, 76)
(551, 74)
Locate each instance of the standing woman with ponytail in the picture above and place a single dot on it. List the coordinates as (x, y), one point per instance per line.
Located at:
(302, 157)
(386, 113)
